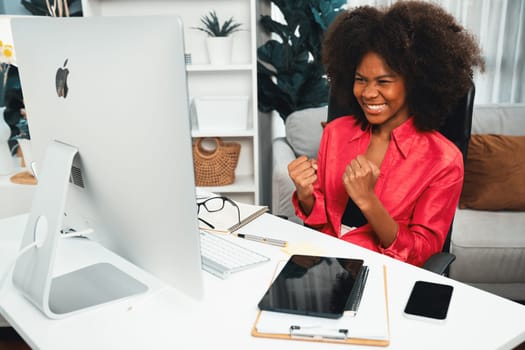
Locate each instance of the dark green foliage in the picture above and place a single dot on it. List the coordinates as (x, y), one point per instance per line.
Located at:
(290, 74)
(39, 8)
(212, 25)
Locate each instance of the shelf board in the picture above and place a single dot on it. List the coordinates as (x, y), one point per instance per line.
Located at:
(242, 184)
(223, 133)
(217, 68)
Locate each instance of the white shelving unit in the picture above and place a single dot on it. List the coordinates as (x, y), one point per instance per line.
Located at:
(236, 79)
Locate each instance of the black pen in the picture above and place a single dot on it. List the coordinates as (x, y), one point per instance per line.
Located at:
(266, 240)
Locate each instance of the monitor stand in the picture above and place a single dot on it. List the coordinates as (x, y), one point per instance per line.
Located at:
(75, 291)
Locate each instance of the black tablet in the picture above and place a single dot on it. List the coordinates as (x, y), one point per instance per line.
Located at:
(312, 285)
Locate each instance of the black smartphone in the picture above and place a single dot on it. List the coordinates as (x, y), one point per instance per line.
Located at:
(429, 300)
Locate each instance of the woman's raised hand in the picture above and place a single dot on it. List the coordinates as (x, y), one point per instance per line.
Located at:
(303, 172)
(359, 179)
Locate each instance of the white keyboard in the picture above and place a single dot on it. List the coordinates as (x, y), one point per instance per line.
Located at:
(221, 257)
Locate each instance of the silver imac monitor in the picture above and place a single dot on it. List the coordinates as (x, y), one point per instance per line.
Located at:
(107, 107)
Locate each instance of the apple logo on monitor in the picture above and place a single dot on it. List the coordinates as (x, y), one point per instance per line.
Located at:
(61, 80)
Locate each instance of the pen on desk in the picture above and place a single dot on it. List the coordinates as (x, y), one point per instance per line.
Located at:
(267, 240)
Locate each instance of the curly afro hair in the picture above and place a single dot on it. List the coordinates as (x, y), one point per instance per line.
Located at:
(418, 40)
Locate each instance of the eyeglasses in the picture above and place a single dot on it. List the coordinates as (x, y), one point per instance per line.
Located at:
(215, 204)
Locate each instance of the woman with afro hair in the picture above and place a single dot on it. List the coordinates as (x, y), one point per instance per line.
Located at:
(385, 178)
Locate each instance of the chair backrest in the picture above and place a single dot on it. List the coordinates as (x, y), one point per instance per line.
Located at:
(458, 124)
(457, 127)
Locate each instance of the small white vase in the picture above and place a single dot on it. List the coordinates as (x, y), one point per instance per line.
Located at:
(7, 163)
(219, 49)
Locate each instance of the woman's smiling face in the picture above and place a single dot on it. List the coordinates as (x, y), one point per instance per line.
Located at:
(380, 92)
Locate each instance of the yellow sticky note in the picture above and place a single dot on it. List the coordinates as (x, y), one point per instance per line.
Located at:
(302, 248)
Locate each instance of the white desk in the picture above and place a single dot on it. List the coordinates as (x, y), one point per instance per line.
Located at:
(166, 319)
(14, 199)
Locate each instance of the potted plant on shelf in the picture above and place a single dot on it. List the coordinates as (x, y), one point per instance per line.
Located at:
(219, 41)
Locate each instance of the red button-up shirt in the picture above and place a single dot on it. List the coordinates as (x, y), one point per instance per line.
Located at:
(420, 182)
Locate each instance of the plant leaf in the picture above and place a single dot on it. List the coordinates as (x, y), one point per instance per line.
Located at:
(290, 72)
(211, 25)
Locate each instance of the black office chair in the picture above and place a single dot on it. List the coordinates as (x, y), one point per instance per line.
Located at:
(457, 128)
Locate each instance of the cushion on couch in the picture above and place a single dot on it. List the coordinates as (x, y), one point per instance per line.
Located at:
(494, 174)
(501, 119)
(304, 130)
(490, 251)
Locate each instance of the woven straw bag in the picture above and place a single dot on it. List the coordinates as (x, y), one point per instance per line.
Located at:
(215, 167)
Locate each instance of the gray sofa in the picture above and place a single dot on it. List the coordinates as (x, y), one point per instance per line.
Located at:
(489, 245)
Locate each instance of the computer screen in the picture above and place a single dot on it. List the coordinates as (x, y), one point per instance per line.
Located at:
(115, 89)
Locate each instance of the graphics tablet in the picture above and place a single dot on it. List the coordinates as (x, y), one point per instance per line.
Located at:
(312, 285)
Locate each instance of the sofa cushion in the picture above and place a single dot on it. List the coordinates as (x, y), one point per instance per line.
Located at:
(489, 246)
(504, 119)
(494, 175)
(304, 130)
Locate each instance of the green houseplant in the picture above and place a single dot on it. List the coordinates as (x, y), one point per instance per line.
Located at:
(212, 26)
(219, 41)
(290, 75)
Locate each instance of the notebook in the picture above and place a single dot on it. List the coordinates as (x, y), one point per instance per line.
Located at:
(227, 220)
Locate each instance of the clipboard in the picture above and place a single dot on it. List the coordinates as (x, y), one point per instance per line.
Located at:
(370, 326)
